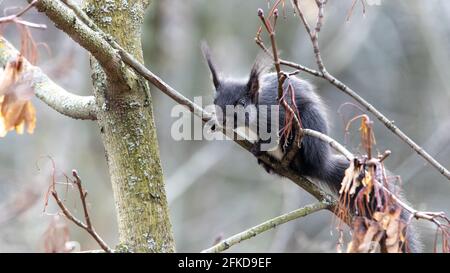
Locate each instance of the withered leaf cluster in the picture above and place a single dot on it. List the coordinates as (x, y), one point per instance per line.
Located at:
(384, 232)
(368, 194)
(16, 111)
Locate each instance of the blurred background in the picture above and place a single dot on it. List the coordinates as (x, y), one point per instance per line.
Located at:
(396, 55)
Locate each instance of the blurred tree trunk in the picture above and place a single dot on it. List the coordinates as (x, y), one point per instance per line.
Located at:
(129, 136)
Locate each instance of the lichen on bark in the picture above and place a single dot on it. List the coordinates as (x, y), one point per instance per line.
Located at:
(129, 136)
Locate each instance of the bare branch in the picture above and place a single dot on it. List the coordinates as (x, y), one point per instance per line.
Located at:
(302, 68)
(83, 195)
(271, 31)
(313, 34)
(27, 8)
(388, 123)
(282, 77)
(86, 226)
(74, 106)
(267, 225)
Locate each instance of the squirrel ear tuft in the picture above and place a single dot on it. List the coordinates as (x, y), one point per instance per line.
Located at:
(253, 81)
(259, 67)
(212, 68)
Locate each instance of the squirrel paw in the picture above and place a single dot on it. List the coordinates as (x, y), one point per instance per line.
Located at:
(256, 149)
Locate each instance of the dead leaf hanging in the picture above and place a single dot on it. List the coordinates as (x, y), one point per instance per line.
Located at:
(16, 111)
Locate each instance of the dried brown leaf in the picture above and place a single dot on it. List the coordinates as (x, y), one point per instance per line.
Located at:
(16, 110)
(394, 231)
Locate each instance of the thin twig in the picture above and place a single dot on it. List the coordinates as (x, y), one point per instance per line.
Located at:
(86, 226)
(302, 68)
(282, 77)
(333, 143)
(83, 195)
(273, 42)
(27, 8)
(314, 35)
(267, 225)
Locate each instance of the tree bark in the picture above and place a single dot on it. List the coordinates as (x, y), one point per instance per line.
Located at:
(128, 132)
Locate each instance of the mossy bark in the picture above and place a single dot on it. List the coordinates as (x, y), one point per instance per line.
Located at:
(128, 132)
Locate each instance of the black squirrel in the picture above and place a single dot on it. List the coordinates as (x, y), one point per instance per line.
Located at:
(314, 159)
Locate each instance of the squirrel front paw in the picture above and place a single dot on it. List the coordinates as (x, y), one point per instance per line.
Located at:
(256, 149)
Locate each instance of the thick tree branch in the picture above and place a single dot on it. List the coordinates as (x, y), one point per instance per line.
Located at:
(267, 225)
(74, 106)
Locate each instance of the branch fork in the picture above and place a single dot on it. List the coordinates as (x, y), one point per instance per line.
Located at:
(87, 226)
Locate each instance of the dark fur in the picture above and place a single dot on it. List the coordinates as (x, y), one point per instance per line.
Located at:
(315, 158)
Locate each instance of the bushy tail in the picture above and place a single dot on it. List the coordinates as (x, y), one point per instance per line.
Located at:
(334, 172)
(332, 176)
(414, 245)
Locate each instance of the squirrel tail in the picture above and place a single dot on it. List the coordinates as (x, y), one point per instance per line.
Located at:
(333, 172)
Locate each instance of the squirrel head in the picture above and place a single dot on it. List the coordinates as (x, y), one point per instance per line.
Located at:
(232, 92)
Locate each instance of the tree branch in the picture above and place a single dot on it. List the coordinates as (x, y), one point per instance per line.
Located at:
(74, 106)
(333, 143)
(267, 225)
(86, 226)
